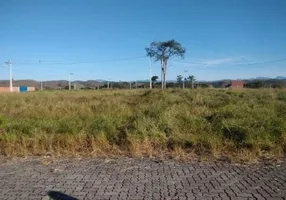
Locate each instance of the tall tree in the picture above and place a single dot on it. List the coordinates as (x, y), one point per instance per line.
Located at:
(191, 80)
(180, 80)
(185, 83)
(163, 51)
(154, 80)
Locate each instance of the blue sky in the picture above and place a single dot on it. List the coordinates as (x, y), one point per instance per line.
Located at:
(223, 38)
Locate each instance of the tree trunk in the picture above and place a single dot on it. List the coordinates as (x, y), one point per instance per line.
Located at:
(162, 78)
(164, 74)
(165, 83)
(162, 71)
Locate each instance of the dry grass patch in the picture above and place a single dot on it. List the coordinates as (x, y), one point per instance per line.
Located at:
(205, 123)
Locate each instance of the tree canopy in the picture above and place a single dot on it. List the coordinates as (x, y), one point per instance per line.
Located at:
(163, 51)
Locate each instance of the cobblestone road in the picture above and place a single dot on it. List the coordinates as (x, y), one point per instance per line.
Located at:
(140, 179)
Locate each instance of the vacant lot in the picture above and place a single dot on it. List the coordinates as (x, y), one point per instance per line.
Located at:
(238, 125)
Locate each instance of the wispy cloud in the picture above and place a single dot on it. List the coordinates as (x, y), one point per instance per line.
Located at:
(219, 61)
(210, 62)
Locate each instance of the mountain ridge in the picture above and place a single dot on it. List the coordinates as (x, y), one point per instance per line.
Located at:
(54, 84)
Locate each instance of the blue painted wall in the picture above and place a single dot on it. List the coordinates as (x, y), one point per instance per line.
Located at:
(23, 89)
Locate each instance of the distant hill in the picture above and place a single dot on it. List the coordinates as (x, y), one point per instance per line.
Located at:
(281, 77)
(53, 84)
(268, 78)
(30, 83)
(61, 84)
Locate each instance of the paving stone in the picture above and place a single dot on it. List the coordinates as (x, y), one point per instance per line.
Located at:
(127, 178)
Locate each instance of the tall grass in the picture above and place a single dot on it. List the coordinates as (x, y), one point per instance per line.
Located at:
(208, 123)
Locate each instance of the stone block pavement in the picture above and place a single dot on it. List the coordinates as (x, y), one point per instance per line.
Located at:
(128, 178)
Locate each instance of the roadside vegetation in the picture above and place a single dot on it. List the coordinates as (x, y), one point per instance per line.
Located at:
(243, 125)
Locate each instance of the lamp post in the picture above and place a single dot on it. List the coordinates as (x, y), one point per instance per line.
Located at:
(9, 63)
(70, 75)
(150, 72)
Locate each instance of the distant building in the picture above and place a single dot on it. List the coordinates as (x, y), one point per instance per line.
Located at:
(18, 89)
(223, 84)
(78, 86)
(236, 84)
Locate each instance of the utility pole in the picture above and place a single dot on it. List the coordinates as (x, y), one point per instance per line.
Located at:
(150, 72)
(109, 83)
(9, 63)
(70, 74)
(41, 81)
(162, 68)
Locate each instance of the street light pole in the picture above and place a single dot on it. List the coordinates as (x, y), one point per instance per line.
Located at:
(109, 83)
(9, 63)
(41, 80)
(70, 74)
(150, 72)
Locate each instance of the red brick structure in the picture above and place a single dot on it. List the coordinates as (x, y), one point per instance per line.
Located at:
(236, 84)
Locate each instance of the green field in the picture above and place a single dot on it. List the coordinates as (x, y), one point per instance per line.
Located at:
(241, 125)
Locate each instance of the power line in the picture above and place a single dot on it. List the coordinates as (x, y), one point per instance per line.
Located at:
(140, 57)
(79, 62)
(265, 62)
(190, 62)
(238, 64)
